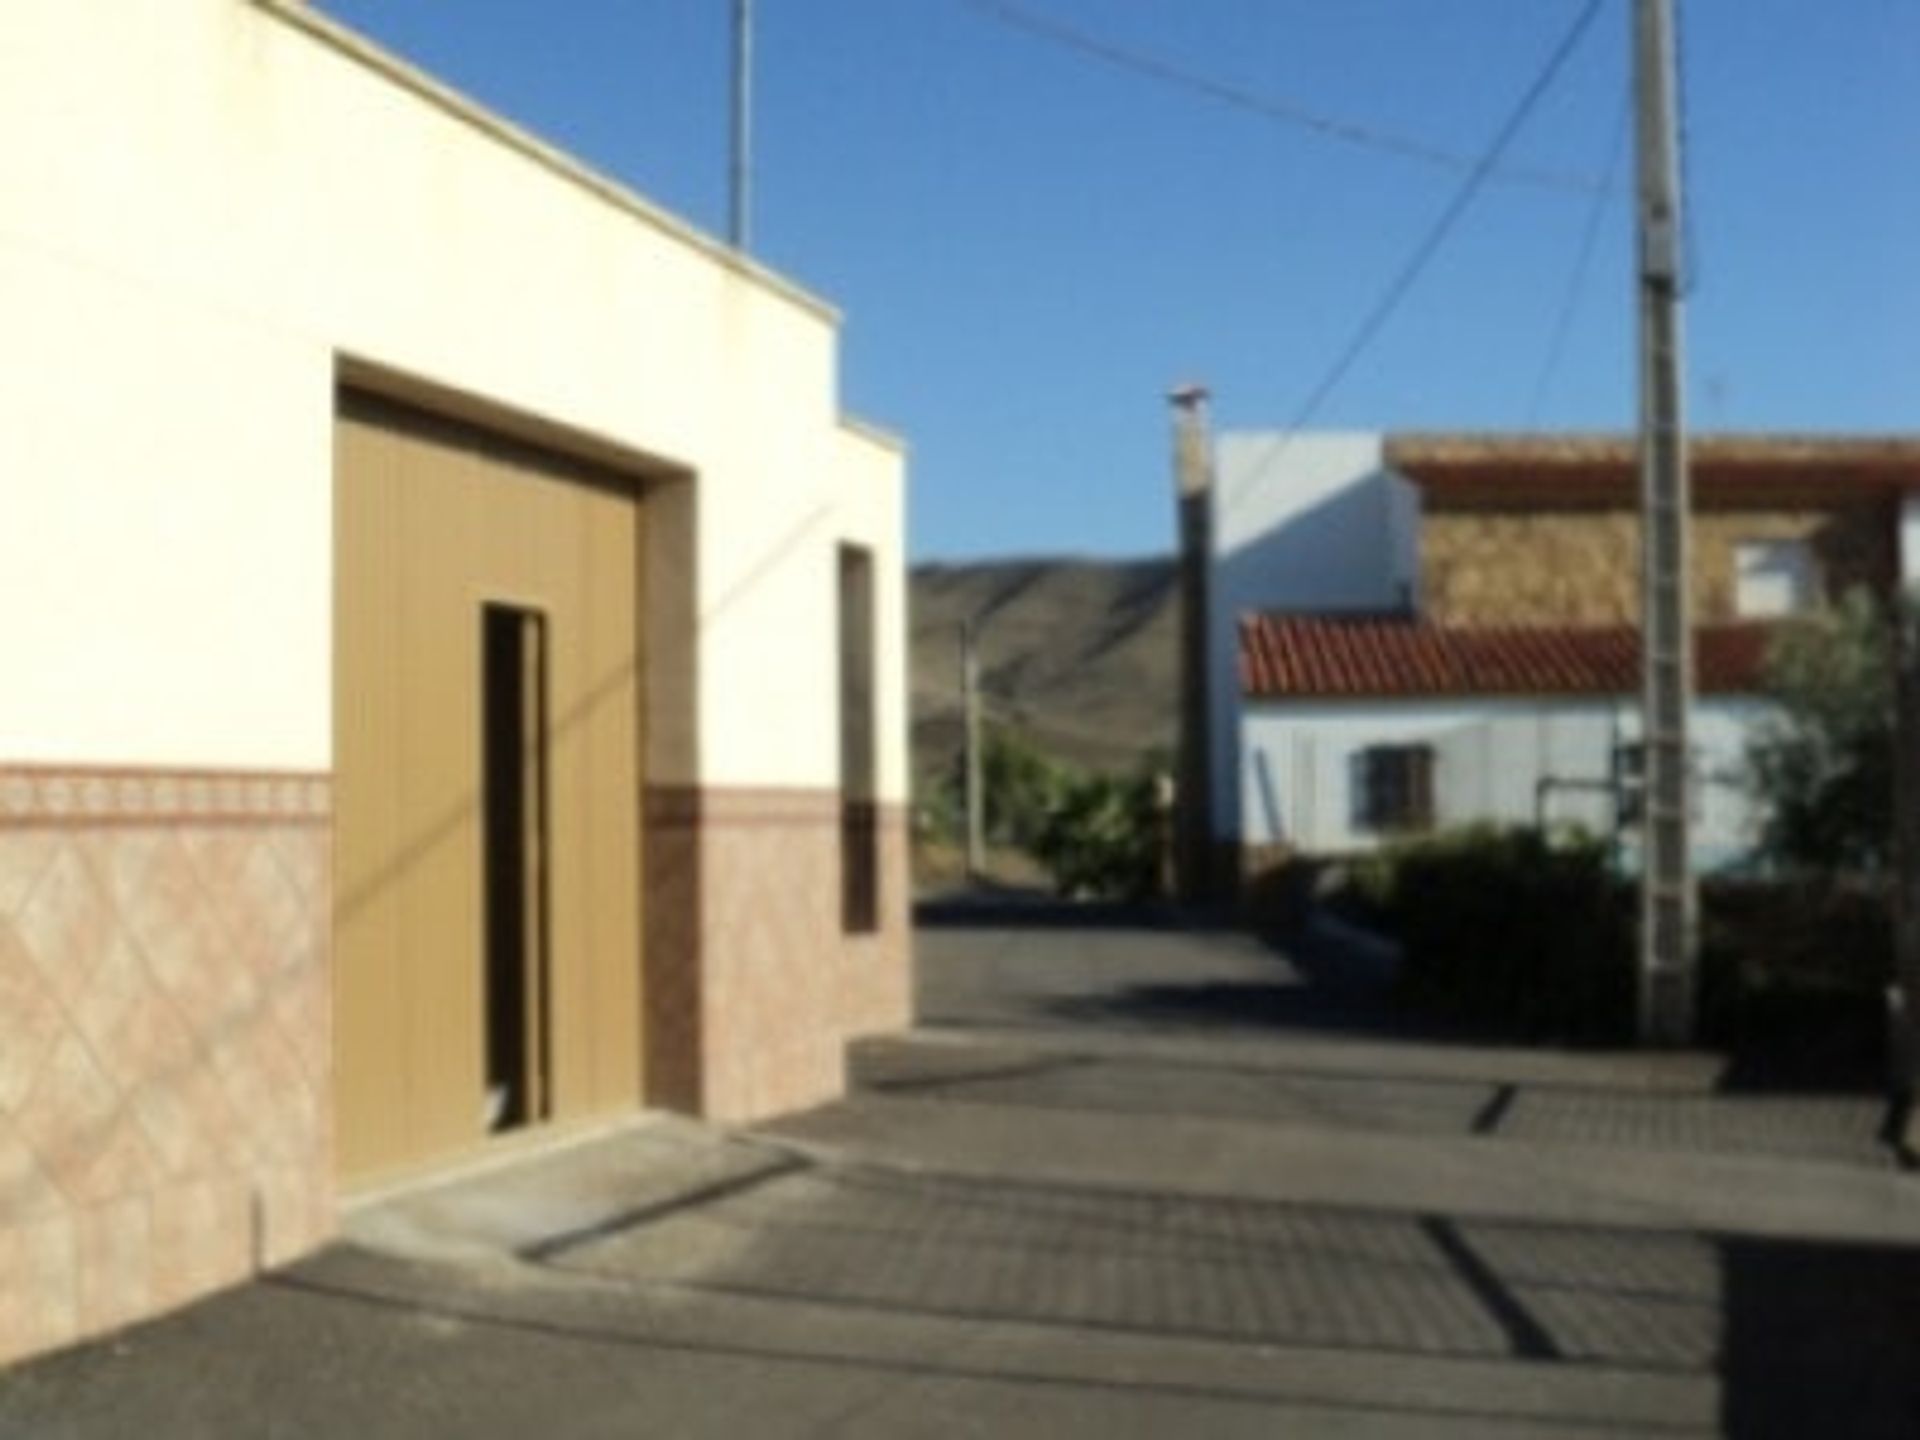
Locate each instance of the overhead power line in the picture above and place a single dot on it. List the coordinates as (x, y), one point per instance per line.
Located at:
(1582, 263)
(1415, 265)
(1683, 142)
(1270, 107)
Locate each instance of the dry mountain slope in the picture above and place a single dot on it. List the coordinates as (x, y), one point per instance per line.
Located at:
(1077, 654)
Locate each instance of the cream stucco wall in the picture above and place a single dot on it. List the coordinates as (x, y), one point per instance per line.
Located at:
(236, 197)
(872, 512)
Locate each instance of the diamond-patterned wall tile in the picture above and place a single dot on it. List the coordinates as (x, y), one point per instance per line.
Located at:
(66, 924)
(119, 857)
(30, 1018)
(165, 1010)
(39, 1300)
(25, 1191)
(81, 1129)
(114, 1264)
(23, 859)
(778, 984)
(202, 1238)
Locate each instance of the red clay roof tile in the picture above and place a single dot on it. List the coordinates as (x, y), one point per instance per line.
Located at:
(1356, 656)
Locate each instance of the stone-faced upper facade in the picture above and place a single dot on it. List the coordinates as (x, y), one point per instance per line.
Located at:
(1536, 530)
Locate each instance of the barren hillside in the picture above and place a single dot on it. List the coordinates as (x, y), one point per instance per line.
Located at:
(1078, 654)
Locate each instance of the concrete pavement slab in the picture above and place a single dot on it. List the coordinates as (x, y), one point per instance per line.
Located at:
(1475, 1175)
(1106, 1200)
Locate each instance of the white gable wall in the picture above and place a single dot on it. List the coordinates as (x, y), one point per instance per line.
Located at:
(1308, 522)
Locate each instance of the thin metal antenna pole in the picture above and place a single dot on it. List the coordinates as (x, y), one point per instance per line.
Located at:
(970, 721)
(740, 170)
(1193, 798)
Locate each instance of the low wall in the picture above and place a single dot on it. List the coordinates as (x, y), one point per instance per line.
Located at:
(753, 984)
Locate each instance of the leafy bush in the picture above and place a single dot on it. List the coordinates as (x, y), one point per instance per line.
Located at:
(1793, 975)
(1533, 937)
(1508, 929)
(1098, 836)
(1824, 765)
(1102, 837)
(1020, 786)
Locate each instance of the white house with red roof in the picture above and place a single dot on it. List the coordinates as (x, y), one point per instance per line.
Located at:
(1414, 632)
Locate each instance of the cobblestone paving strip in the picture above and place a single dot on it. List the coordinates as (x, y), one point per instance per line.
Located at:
(1845, 1129)
(1842, 1129)
(1242, 1271)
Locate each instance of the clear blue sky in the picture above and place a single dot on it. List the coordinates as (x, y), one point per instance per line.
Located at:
(1030, 244)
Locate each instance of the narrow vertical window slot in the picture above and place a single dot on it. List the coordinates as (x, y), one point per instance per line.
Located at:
(514, 836)
(859, 771)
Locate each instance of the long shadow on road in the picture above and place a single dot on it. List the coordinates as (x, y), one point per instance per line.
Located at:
(1200, 972)
(1802, 1337)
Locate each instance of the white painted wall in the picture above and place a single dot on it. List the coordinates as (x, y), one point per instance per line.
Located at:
(235, 196)
(871, 512)
(1308, 522)
(1910, 540)
(1297, 758)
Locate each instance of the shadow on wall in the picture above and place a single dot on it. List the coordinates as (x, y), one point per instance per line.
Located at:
(1340, 554)
(1337, 554)
(1276, 831)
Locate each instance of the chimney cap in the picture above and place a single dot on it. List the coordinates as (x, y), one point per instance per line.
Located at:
(1189, 396)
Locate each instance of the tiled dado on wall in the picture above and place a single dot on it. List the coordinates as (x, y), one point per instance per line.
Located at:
(164, 1040)
(753, 986)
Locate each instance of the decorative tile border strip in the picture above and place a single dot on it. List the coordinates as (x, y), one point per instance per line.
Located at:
(130, 795)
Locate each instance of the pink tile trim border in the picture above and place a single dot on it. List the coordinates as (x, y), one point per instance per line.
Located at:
(140, 795)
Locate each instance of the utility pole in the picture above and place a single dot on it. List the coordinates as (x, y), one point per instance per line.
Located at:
(1904, 998)
(970, 711)
(1193, 798)
(1669, 901)
(740, 170)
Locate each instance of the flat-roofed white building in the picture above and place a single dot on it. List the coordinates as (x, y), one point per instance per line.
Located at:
(454, 654)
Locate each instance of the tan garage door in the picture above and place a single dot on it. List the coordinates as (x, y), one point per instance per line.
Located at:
(487, 703)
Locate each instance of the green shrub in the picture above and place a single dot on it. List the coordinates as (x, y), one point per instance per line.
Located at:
(1823, 763)
(1102, 837)
(1793, 974)
(1508, 929)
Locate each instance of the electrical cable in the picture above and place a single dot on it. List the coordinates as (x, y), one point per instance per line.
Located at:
(1583, 260)
(1286, 112)
(1436, 234)
(1683, 141)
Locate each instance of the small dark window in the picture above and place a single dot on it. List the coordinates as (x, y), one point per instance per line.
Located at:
(513, 790)
(1394, 788)
(859, 770)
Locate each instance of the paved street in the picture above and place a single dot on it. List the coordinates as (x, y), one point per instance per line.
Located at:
(1126, 1179)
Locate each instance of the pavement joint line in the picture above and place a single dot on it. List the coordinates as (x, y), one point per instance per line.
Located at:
(1473, 1136)
(1021, 1071)
(1487, 1122)
(777, 1166)
(678, 1334)
(1899, 1130)
(1529, 1338)
(1536, 1349)
(1298, 1058)
(1631, 1212)
(534, 1147)
(831, 1160)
